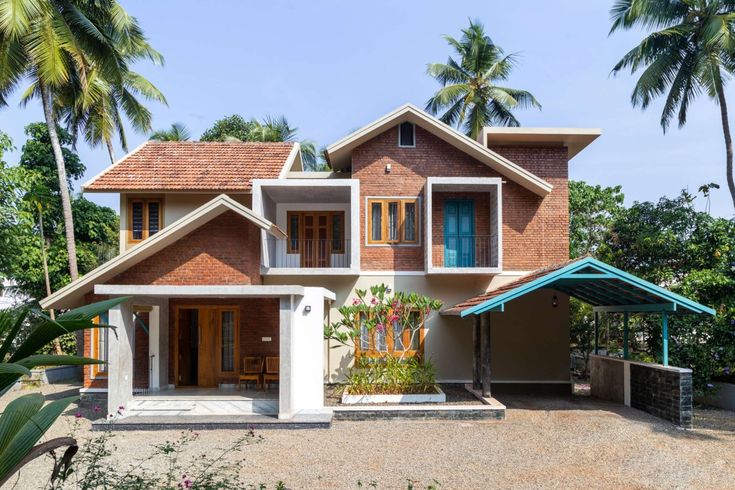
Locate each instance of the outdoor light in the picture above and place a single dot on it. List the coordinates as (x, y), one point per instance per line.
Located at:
(388, 290)
(307, 308)
(554, 301)
(388, 168)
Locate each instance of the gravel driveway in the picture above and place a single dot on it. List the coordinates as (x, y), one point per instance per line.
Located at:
(544, 442)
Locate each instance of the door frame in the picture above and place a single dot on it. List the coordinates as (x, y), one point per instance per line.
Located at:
(458, 203)
(218, 338)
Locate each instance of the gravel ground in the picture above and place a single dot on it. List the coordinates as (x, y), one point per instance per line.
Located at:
(545, 442)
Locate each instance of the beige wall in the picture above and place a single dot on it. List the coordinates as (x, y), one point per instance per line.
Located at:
(175, 206)
(530, 340)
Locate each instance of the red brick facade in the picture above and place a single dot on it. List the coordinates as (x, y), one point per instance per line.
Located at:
(535, 229)
(481, 202)
(224, 251)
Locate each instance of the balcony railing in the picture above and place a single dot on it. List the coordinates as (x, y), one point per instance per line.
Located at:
(308, 253)
(466, 251)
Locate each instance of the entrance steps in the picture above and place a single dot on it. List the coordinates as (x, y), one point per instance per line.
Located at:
(161, 405)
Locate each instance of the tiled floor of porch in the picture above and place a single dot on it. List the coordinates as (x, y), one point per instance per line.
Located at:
(196, 401)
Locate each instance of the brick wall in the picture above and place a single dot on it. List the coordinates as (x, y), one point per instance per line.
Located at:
(225, 250)
(535, 229)
(259, 317)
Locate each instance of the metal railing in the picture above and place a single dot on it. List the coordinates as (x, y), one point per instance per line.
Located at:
(467, 251)
(307, 253)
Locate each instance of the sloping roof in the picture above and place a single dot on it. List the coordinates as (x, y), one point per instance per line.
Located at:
(339, 153)
(196, 166)
(574, 139)
(73, 292)
(589, 280)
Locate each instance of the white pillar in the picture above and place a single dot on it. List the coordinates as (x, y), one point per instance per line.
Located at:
(154, 351)
(120, 358)
(285, 390)
(163, 345)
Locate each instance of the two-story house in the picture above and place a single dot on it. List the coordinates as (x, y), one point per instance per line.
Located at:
(231, 250)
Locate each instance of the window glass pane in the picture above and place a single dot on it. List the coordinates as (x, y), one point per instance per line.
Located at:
(376, 217)
(228, 340)
(381, 344)
(409, 222)
(364, 336)
(397, 336)
(137, 221)
(415, 341)
(337, 231)
(293, 231)
(406, 134)
(154, 212)
(393, 221)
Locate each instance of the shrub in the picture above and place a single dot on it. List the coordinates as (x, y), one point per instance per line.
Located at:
(390, 375)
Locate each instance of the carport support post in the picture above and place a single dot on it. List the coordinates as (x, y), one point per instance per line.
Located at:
(485, 353)
(597, 331)
(477, 353)
(625, 335)
(665, 335)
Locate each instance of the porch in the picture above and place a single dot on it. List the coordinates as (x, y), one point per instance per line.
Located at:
(195, 341)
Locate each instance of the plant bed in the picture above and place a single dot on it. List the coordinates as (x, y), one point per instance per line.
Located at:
(438, 396)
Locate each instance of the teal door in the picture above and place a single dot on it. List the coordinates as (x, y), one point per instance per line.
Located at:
(459, 233)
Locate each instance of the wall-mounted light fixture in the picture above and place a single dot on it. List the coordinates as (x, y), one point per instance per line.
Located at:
(554, 301)
(388, 290)
(388, 168)
(307, 309)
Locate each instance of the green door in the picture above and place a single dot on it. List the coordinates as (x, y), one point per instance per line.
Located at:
(459, 233)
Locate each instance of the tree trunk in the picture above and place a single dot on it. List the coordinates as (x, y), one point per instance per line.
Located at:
(71, 247)
(56, 342)
(728, 142)
(110, 150)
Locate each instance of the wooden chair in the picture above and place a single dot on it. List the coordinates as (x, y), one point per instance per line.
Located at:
(271, 371)
(252, 370)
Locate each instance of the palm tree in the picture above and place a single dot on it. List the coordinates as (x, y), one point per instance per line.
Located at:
(469, 97)
(692, 50)
(55, 43)
(276, 129)
(177, 132)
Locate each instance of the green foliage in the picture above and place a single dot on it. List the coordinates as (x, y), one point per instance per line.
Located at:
(177, 132)
(672, 244)
(390, 375)
(233, 127)
(470, 97)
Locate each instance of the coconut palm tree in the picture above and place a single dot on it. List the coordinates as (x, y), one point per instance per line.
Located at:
(691, 51)
(278, 129)
(177, 132)
(55, 43)
(469, 97)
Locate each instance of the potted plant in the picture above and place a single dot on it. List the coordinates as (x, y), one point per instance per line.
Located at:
(386, 333)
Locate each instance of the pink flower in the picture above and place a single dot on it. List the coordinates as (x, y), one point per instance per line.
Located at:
(395, 318)
(97, 409)
(121, 407)
(78, 415)
(355, 301)
(380, 327)
(373, 301)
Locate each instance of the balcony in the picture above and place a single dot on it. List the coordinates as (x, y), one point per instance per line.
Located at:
(293, 253)
(466, 251)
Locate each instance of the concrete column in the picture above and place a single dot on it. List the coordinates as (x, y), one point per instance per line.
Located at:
(163, 345)
(485, 353)
(285, 394)
(120, 358)
(154, 351)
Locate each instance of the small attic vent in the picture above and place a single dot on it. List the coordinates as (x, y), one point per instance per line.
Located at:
(407, 135)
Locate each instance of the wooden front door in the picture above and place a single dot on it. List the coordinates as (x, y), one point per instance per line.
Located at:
(459, 233)
(316, 250)
(207, 347)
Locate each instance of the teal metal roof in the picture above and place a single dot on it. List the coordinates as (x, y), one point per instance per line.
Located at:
(601, 285)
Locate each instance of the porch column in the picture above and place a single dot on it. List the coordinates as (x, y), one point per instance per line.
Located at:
(120, 358)
(477, 353)
(285, 390)
(597, 331)
(485, 353)
(665, 335)
(625, 335)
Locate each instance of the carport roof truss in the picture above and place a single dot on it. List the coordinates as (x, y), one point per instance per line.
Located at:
(606, 288)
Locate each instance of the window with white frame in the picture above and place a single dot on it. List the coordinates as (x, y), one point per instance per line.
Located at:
(407, 135)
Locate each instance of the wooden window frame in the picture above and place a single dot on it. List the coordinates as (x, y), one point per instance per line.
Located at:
(146, 227)
(385, 205)
(372, 352)
(97, 370)
(300, 214)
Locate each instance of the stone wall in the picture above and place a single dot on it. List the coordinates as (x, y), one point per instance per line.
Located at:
(663, 391)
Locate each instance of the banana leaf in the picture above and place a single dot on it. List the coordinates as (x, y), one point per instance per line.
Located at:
(10, 324)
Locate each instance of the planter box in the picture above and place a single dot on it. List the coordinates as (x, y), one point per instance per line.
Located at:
(724, 398)
(438, 397)
(58, 374)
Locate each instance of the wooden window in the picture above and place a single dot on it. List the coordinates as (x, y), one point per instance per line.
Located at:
(145, 218)
(393, 221)
(303, 224)
(99, 340)
(395, 340)
(407, 135)
(228, 333)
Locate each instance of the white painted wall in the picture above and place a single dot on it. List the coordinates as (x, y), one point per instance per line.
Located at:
(120, 360)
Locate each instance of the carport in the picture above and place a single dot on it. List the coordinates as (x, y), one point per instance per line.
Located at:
(659, 389)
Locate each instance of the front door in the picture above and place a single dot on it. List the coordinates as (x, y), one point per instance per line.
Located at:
(315, 252)
(459, 233)
(207, 345)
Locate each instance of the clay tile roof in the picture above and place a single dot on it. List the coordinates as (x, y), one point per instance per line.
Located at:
(193, 166)
(497, 291)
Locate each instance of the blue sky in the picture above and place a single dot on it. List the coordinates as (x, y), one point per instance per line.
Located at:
(333, 66)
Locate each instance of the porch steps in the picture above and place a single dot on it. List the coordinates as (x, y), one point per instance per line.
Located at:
(175, 406)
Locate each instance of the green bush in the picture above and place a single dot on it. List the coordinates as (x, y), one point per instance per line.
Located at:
(390, 375)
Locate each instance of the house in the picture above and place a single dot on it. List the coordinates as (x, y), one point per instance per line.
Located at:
(230, 250)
